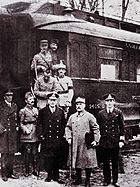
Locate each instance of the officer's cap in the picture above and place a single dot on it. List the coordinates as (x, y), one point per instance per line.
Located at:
(53, 95)
(61, 65)
(80, 100)
(109, 97)
(55, 41)
(43, 41)
(8, 92)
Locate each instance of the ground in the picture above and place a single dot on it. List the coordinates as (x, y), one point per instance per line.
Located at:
(131, 178)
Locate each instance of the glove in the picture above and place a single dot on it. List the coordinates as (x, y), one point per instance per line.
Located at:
(94, 143)
(121, 144)
(69, 141)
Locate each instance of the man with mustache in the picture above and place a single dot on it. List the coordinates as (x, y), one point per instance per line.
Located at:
(42, 60)
(43, 86)
(28, 121)
(79, 125)
(64, 87)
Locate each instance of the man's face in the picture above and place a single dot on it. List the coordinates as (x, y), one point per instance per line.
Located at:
(61, 72)
(47, 74)
(44, 47)
(110, 103)
(52, 102)
(8, 98)
(54, 46)
(30, 100)
(80, 107)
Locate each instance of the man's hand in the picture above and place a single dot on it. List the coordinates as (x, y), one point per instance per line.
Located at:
(94, 143)
(68, 103)
(69, 141)
(121, 144)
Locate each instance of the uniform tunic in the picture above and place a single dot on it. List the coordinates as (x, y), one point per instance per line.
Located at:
(8, 124)
(65, 89)
(51, 127)
(28, 121)
(76, 128)
(41, 61)
(42, 88)
(111, 128)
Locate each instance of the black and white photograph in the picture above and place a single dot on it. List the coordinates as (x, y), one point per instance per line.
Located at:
(69, 93)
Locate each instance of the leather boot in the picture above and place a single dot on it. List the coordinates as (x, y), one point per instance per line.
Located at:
(88, 173)
(78, 180)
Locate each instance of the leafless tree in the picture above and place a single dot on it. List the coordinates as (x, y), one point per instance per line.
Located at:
(124, 8)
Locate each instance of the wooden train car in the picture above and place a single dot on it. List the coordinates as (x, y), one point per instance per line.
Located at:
(99, 59)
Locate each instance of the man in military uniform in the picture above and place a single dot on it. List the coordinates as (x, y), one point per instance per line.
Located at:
(51, 130)
(111, 125)
(43, 86)
(42, 60)
(80, 126)
(64, 87)
(28, 121)
(8, 135)
(53, 50)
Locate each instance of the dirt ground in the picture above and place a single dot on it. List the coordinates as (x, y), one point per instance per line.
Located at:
(131, 178)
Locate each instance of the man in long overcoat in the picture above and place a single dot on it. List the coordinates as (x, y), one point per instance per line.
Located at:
(111, 124)
(78, 125)
(51, 128)
(8, 135)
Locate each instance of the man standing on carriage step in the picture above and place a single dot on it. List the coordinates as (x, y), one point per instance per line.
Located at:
(82, 132)
(8, 135)
(64, 88)
(50, 130)
(43, 86)
(42, 60)
(111, 124)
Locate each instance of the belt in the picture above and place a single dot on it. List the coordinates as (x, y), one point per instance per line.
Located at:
(62, 92)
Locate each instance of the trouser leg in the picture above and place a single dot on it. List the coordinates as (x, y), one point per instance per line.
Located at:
(49, 167)
(106, 165)
(78, 174)
(114, 159)
(55, 168)
(4, 172)
(88, 173)
(10, 164)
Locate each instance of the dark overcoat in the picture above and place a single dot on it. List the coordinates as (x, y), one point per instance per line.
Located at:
(8, 124)
(51, 126)
(111, 127)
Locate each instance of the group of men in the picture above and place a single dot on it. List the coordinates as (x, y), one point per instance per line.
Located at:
(49, 125)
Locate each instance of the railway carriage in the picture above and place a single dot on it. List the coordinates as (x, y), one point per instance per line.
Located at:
(99, 59)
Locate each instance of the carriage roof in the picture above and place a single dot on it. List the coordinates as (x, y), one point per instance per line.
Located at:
(73, 25)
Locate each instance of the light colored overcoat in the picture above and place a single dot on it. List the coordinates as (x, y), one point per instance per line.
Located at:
(77, 127)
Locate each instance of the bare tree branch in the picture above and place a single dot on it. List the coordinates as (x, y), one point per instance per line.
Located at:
(124, 7)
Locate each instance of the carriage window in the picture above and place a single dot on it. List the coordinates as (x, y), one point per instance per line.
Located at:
(108, 72)
(110, 62)
(138, 74)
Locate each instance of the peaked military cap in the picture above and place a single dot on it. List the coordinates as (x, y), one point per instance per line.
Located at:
(56, 41)
(43, 41)
(8, 92)
(61, 65)
(53, 95)
(109, 97)
(80, 100)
